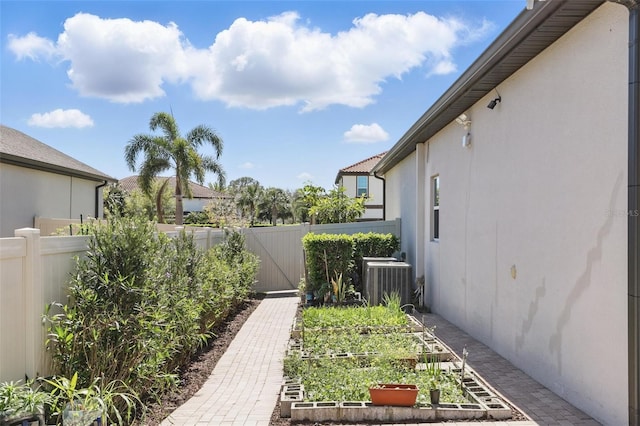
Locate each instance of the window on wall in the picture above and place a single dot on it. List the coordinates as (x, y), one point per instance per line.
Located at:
(362, 186)
(435, 208)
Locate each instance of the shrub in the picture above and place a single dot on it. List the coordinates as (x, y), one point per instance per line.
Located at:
(141, 304)
(326, 255)
(329, 254)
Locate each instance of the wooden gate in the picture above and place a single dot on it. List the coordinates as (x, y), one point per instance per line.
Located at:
(280, 249)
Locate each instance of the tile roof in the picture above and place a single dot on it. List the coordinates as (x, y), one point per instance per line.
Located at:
(361, 167)
(23, 150)
(130, 183)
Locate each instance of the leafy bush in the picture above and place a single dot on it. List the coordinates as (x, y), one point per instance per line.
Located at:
(326, 255)
(19, 399)
(330, 254)
(196, 218)
(141, 304)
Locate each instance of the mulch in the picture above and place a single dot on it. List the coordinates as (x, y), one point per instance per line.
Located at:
(202, 364)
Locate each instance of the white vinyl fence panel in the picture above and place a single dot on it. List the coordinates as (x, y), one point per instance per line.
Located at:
(35, 271)
(281, 254)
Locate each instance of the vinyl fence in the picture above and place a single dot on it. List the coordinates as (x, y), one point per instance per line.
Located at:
(281, 254)
(35, 271)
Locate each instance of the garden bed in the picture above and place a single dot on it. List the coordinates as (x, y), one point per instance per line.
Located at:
(336, 354)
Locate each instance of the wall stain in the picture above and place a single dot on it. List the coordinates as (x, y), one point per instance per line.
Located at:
(533, 310)
(584, 280)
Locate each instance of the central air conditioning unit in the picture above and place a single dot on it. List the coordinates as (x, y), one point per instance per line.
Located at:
(365, 261)
(386, 278)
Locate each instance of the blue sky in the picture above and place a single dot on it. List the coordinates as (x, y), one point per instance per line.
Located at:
(296, 89)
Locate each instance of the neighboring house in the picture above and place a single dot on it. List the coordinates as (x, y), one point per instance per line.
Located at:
(201, 195)
(358, 180)
(39, 181)
(512, 189)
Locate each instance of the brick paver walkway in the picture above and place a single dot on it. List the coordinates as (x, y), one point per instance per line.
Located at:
(244, 386)
(537, 402)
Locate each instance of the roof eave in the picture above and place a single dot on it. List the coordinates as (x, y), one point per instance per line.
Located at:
(486, 73)
(52, 168)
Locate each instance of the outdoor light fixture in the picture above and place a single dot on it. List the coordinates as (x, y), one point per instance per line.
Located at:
(494, 102)
(464, 120)
(466, 140)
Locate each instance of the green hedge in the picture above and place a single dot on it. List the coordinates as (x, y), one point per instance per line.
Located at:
(326, 255)
(341, 253)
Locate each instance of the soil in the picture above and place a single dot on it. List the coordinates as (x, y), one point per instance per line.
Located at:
(192, 379)
(202, 364)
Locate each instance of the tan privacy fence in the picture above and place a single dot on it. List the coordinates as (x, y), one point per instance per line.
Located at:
(35, 271)
(280, 249)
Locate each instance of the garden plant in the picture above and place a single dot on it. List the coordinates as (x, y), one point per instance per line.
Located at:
(141, 304)
(378, 347)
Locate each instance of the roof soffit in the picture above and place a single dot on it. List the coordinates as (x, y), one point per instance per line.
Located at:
(531, 32)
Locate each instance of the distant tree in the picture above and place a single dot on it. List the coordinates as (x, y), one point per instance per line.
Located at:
(170, 151)
(223, 212)
(274, 204)
(337, 207)
(247, 193)
(114, 200)
(149, 205)
(237, 185)
(304, 199)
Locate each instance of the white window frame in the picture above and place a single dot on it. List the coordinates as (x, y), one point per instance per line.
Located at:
(435, 208)
(366, 188)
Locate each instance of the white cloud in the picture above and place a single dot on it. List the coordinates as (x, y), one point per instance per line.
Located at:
(61, 118)
(247, 165)
(31, 46)
(304, 176)
(278, 61)
(366, 133)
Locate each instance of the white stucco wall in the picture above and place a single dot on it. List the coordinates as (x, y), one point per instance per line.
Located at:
(376, 195)
(401, 183)
(26, 193)
(532, 256)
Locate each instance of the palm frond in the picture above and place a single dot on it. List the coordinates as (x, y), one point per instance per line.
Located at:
(201, 134)
(166, 123)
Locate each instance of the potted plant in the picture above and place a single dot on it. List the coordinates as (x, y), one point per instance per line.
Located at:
(82, 406)
(435, 379)
(398, 394)
(20, 402)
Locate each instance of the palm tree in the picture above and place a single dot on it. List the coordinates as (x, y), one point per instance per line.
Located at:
(246, 192)
(248, 199)
(172, 151)
(274, 204)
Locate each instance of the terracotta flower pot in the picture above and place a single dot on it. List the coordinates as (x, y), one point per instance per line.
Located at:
(394, 394)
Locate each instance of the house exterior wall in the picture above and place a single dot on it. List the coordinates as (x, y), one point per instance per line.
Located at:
(27, 193)
(532, 254)
(194, 204)
(400, 182)
(375, 200)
